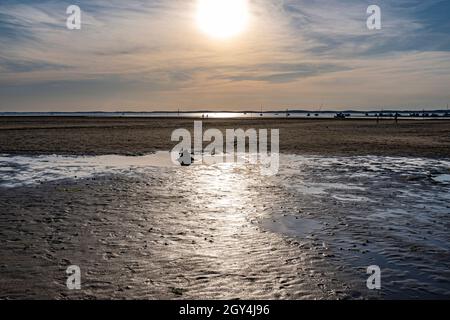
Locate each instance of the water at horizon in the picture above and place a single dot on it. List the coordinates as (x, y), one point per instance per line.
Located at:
(253, 115)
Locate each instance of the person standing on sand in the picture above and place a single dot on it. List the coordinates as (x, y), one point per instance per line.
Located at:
(185, 158)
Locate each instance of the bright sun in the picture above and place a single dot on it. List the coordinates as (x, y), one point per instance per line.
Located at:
(222, 18)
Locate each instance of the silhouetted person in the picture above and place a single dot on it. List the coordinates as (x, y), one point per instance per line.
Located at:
(185, 158)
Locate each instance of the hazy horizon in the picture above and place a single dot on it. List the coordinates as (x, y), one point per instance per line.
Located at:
(155, 56)
(242, 110)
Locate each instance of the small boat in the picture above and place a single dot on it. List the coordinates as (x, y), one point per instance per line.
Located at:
(340, 115)
(185, 158)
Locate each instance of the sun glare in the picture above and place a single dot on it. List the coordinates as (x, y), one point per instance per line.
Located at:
(222, 18)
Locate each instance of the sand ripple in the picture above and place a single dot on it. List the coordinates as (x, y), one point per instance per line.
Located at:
(225, 231)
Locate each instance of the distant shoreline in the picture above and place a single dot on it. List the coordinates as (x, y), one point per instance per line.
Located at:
(297, 114)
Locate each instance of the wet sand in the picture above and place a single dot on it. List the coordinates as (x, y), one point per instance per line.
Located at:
(36, 135)
(226, 231)
(135, 240)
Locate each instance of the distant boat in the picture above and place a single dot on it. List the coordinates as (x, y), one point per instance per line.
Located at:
(340, 115)
(185, 158)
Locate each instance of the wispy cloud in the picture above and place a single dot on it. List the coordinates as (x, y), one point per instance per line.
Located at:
(280, 72)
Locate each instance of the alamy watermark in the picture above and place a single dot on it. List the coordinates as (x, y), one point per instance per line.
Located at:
(374, 20)
(73, 22)
(188, 151)
(74, 278)
(374, 280)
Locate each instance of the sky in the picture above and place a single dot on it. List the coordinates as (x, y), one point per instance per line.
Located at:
(151, 55)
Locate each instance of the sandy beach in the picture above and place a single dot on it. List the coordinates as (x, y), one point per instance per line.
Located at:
(349, 194)
(60, 135)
